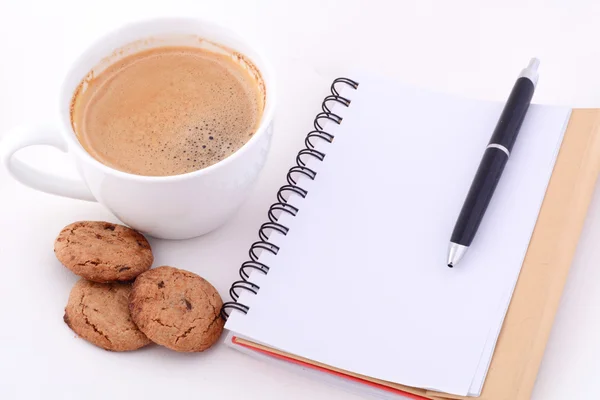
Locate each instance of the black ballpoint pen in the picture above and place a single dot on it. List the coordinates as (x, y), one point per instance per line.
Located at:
(492, 164)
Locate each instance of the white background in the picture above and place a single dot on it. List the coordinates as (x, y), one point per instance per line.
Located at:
(469, 47)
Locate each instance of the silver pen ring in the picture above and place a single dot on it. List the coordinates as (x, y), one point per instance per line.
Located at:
(499, 147)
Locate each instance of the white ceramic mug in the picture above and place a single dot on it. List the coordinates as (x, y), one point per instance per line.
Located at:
(171, 207)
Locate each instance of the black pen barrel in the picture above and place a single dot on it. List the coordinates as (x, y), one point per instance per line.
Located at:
(492, 164)
(511, 119)
(479, 196)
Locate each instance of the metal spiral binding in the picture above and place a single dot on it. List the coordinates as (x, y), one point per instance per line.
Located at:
(282, 205)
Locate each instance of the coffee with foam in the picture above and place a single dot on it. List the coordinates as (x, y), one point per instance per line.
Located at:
(167, 111)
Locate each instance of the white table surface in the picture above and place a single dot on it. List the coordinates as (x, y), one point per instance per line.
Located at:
(458, 46)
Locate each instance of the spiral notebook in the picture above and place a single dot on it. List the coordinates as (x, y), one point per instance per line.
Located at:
(348, 276)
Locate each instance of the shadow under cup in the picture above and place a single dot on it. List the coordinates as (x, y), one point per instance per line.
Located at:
(177, 206)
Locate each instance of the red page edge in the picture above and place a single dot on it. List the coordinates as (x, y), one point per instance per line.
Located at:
(328, 371)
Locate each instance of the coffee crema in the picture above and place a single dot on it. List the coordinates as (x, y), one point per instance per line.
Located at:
(167, 111)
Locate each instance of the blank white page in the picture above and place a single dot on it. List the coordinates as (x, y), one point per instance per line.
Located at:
(361, 282)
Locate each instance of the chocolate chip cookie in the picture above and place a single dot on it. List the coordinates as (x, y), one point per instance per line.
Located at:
(99, 313)
(102, 251)
(177, 309)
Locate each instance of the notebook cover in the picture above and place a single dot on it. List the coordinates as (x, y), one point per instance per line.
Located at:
(528, 322)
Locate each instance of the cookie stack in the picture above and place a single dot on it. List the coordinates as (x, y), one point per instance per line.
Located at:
(120, 304)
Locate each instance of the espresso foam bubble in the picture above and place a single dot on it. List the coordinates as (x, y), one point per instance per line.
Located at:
(168, 111)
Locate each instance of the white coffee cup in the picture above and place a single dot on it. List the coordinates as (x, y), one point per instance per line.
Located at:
(171, 207)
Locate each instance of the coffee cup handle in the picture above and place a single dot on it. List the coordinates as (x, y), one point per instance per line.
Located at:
(22, 137)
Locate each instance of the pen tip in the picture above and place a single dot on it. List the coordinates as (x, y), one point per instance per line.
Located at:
(455, 253)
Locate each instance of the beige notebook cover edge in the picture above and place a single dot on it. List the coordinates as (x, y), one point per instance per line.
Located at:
(529, 319)
(536, 298)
